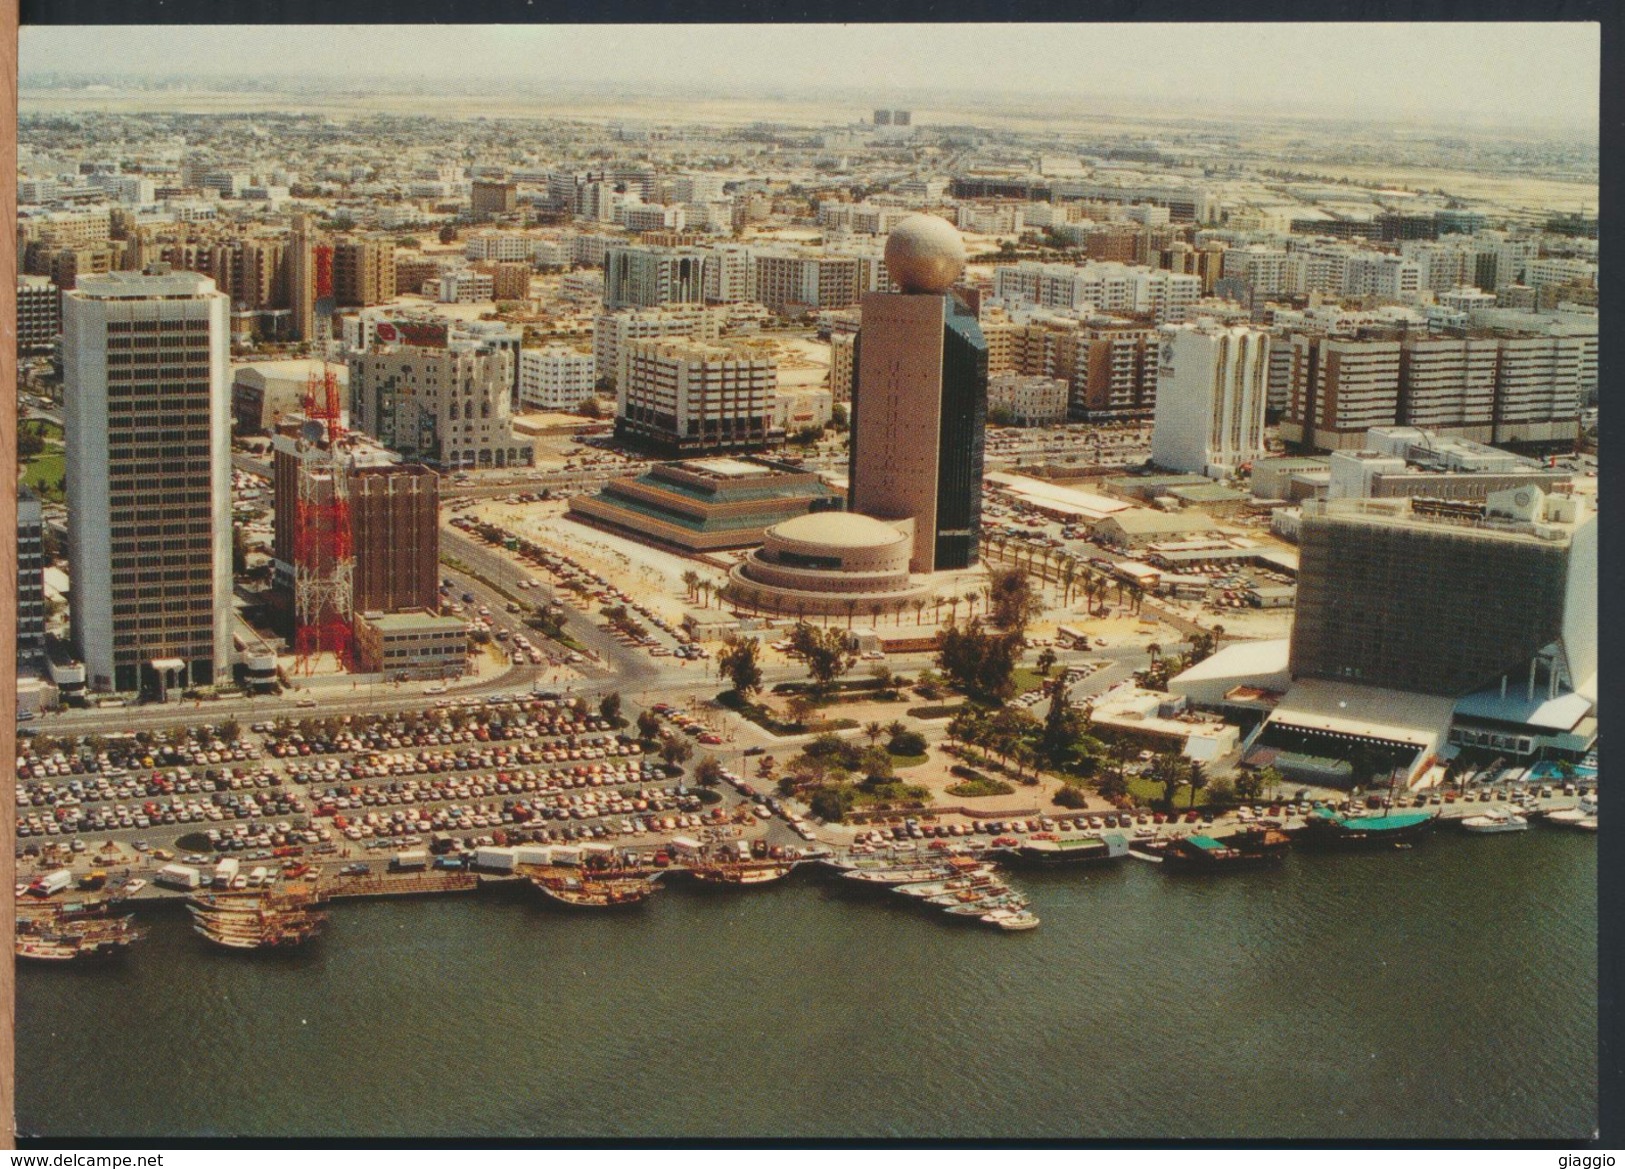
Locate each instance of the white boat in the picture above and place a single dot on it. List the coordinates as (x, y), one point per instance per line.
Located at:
(1010, 919)
(1568, 817)
(1496, 821)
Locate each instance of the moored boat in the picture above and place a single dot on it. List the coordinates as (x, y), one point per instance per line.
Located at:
(1248, 849)
(1071, 850)
(1010, 919)
(1330, 829)
(739, 874)
(1498, 820)
(594, 889)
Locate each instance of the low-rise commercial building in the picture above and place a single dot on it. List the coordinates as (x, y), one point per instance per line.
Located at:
(707, 504)
(411, 644)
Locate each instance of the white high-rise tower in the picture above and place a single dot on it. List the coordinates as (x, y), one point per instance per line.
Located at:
(1212, 386)
(148, 432)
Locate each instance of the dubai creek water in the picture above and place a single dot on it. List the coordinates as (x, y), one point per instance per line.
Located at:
(1448, 991)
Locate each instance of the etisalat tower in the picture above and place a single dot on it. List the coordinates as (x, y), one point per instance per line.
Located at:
(919, 404)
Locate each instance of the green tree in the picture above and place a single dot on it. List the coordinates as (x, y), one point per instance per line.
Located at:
(739, 661)
(1046, 661)
(675, 749)
(708, 772)
(873, 730)
(648, 726)
(1012, 599)
(801, 709)
(827, 653)
(1196, 776)
(875, 762)
(1168, 769)
(1063, 724)
(981, 664)
(610, 706)
(1112, 783)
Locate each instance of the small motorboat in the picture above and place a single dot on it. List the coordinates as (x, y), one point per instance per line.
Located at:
(1499, 820)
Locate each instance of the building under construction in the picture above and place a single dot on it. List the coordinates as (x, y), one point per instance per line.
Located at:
(355, 529)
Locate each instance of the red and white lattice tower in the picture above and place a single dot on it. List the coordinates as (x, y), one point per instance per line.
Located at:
(323, 552)
(323, 254)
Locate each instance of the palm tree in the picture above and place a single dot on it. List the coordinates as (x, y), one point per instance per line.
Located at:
(874, 731)
(691, 581)
(851, 605)
(704, 588)
(897, 610)
(1069, 573)
(952, 601)
(918, 604)
(875, 608)
(1154, 650)
(1196, 776)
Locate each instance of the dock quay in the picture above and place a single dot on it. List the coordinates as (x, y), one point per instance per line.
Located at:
(400, 885)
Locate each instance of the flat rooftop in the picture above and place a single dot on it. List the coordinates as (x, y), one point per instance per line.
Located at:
(727, 468)
(1056, 497)
(413, 622)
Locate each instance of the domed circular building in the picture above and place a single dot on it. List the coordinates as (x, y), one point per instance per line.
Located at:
(830, 562)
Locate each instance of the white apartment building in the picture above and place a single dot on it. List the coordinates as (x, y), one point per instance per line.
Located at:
(1449, 384)
(642, 276)
(653, 217)
(863, 218)
(796, 283)
(1382, 275)
(1261, 267)
(1028, 401)
(1104, 287)
(500, 247)
(1538, 389)
(990, 218)
(686, 397)
(1557, 270)
(612, 332)
(555, 378)
(448, 408)
(1212, 384)
(464, 286)
(148, 433)
(696, 188)
(729, 273)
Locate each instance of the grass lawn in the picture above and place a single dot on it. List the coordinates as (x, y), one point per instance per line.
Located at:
(50, 430)
(42, 475)
(909, 760)
(1147, 793)
(1026, 679)
(971, 788)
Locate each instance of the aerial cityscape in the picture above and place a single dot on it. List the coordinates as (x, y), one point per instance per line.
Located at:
(802, 606)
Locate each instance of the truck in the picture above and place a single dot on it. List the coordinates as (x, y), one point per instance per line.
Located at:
(258, 876)
(225, 871)
(90, 882)
(179, 877)
(409, 862)
(52, 883)
(496, 860)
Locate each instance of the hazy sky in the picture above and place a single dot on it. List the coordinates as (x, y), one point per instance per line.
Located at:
(1522, 72)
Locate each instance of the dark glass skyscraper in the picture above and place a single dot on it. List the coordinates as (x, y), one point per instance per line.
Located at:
(919, 411)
